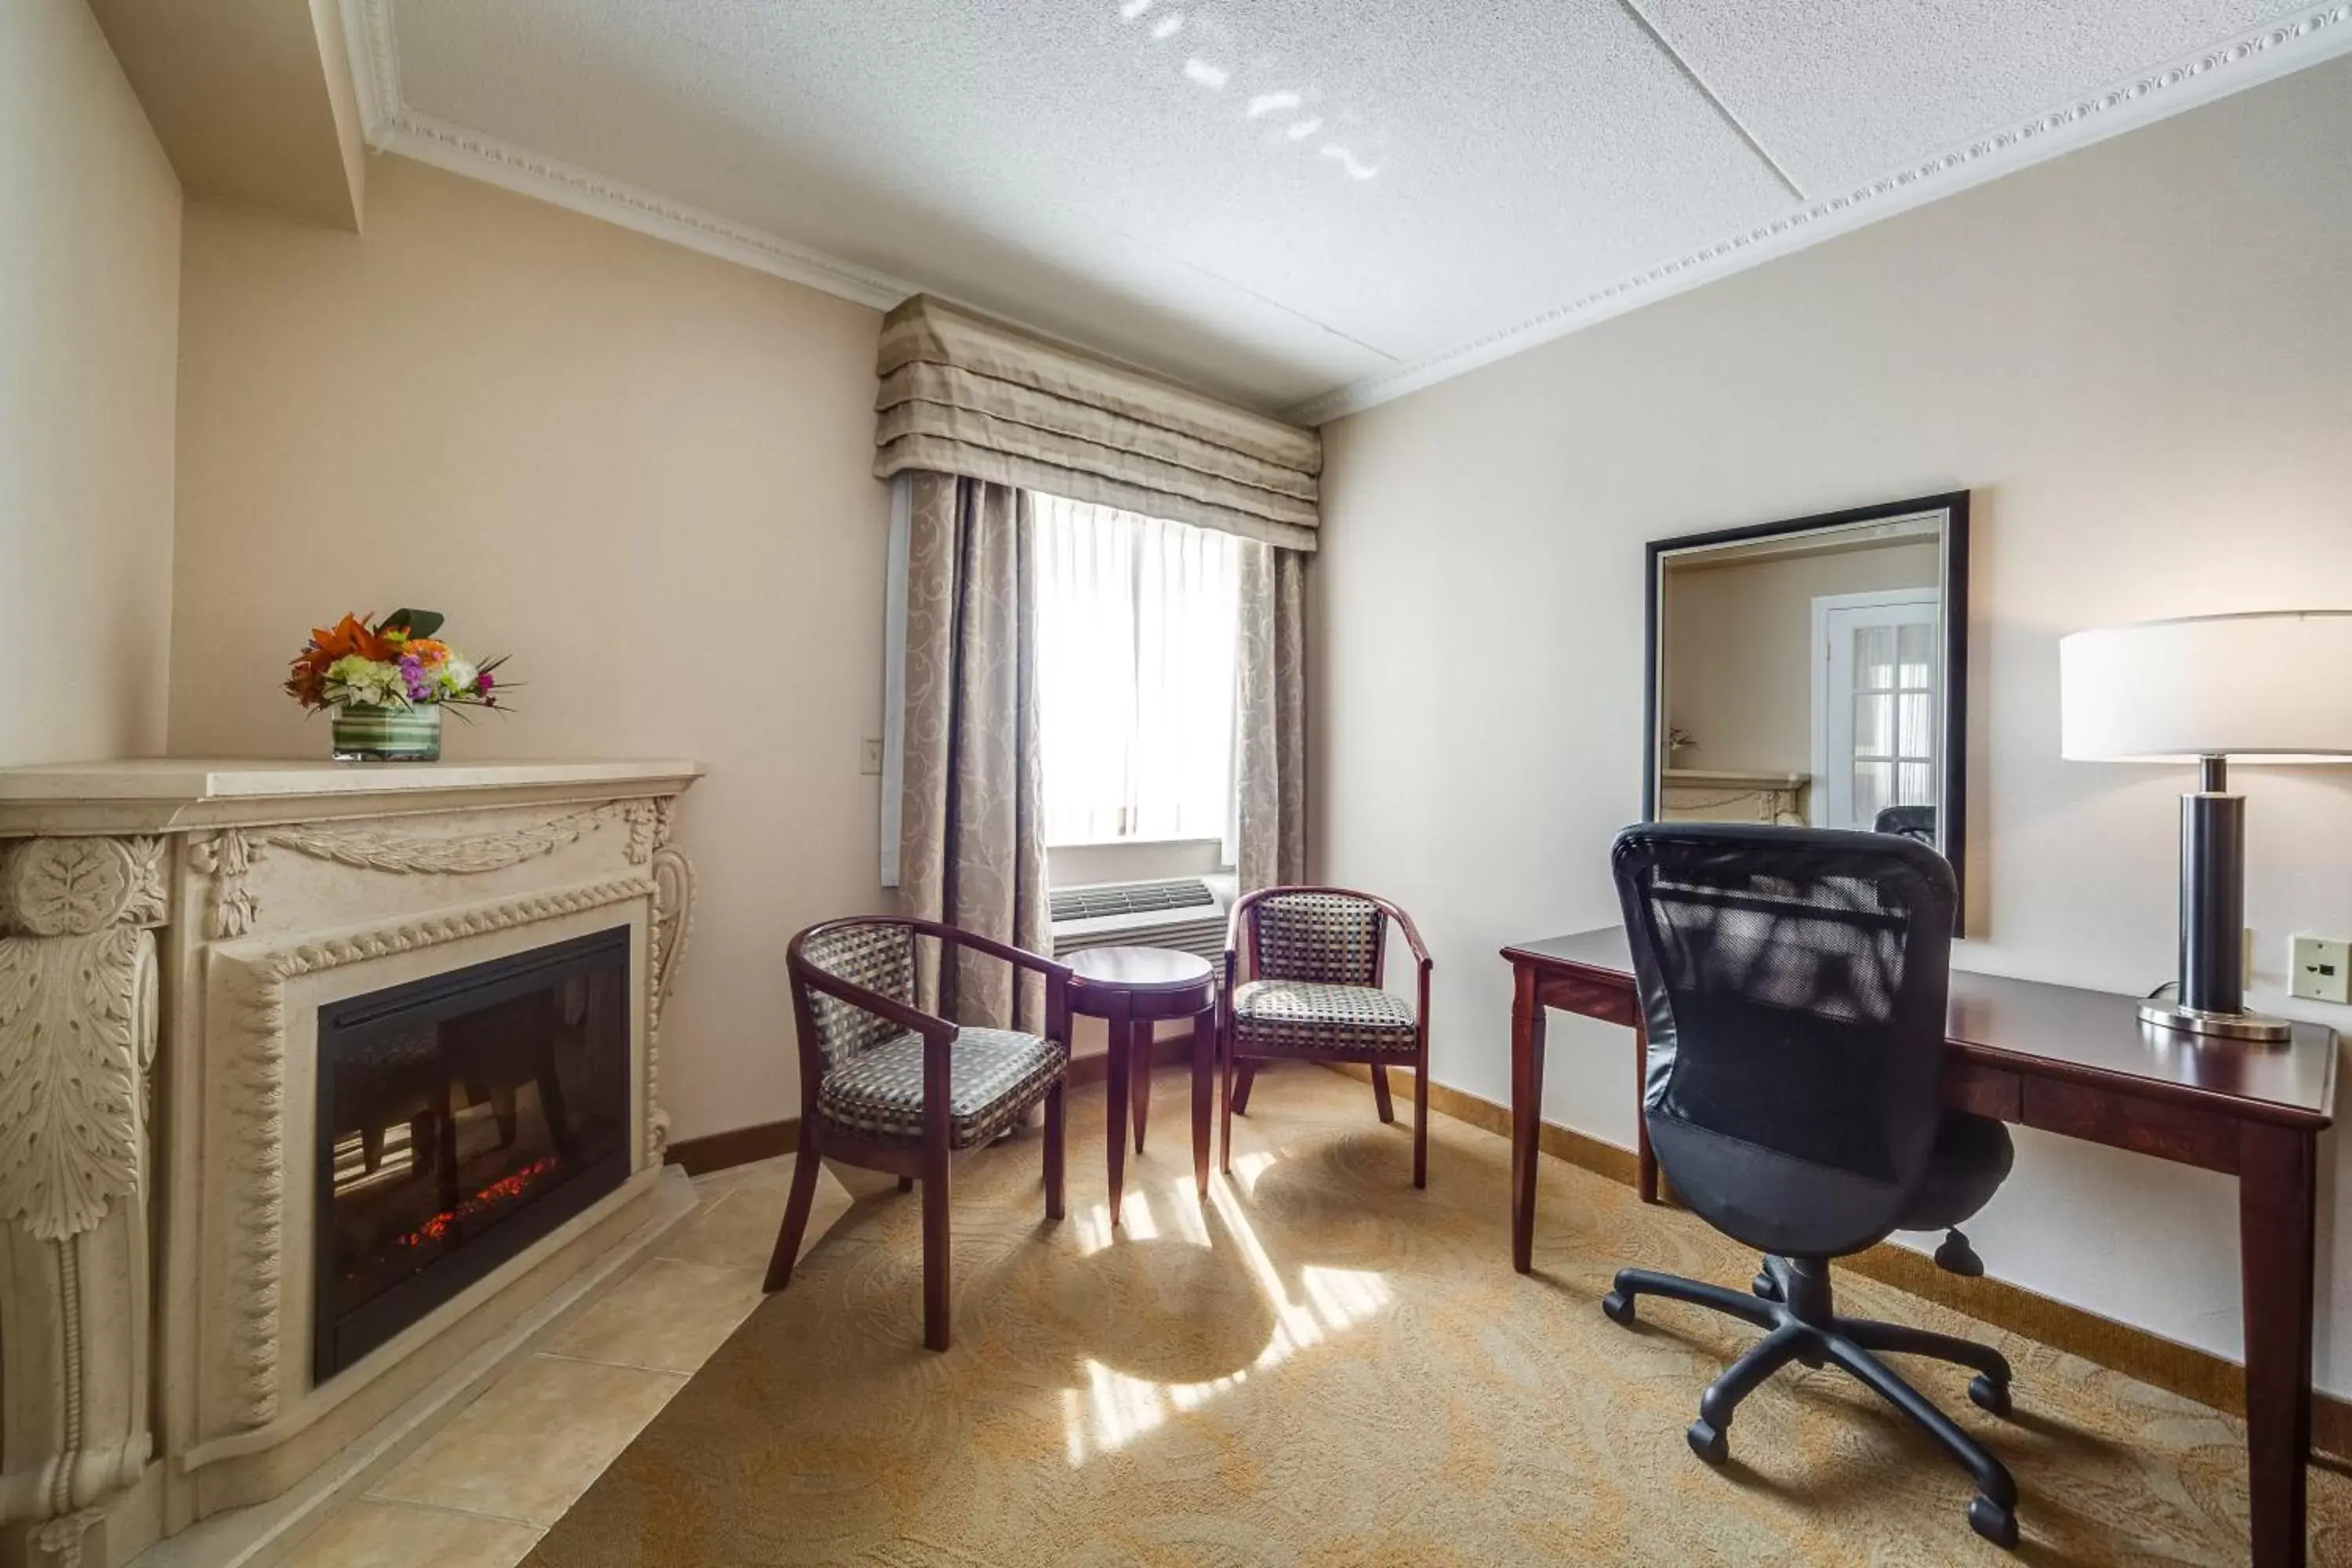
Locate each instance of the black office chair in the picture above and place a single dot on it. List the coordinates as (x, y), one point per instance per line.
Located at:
(1793, 983)
(1906, 821)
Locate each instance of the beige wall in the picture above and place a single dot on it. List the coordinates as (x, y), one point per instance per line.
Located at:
(2139, 359)
(642, 472)
(89, 243)
(1739, 671)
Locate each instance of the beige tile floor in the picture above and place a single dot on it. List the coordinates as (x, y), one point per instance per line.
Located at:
(480, 1492)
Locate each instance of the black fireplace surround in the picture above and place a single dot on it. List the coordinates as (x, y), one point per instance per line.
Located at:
(460, 1118)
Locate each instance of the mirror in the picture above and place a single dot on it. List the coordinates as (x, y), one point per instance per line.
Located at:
(1814, 671)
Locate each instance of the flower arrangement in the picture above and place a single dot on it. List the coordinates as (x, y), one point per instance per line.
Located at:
(387, 684)
(396, 663)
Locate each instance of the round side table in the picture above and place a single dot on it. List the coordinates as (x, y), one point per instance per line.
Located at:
(1131, 989)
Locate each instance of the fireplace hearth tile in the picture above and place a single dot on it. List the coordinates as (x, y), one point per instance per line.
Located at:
(668, 1316)
(741, 1215)
(532, 1442)
(371, 1534)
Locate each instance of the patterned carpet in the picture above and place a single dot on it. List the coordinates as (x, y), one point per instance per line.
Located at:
(1325, 1367)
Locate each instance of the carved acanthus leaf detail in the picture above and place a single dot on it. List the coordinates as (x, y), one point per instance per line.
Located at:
(227, 857)
(76, 1033)
(72, 886)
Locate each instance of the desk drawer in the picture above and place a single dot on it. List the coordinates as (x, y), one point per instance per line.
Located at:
(2130, 1121)
(1984, 1091)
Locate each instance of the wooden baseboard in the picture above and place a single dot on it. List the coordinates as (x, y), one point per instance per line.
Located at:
(739, 1146)
(2164, 1363)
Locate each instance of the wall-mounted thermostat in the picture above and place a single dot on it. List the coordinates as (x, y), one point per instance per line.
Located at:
(2321, 968)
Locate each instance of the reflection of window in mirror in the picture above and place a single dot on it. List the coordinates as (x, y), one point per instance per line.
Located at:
(1874, 706)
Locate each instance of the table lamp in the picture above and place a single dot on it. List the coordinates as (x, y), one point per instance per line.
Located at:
(2273, 686)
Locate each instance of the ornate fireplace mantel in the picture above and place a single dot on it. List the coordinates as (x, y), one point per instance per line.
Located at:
(167, 931)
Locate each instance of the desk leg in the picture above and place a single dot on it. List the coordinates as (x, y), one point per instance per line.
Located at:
(1645, 1163)
(2277, 1179)
(1205, 1074)
(1115, 1092)
(1526, 1113)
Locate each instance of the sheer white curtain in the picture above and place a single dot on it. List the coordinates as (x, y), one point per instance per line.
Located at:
(1135, 622)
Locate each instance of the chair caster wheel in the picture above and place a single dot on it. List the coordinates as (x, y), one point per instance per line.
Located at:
(1988, 1396)
(1708, 1442)
(1994, 1522)
(1617, 1307)
(1765, 1287)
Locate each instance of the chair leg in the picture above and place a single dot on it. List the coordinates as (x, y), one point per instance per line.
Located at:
(935, 1248)
(1421, 1120)
(1053, 1144)
(1226, 1114)
(1632, 1282)
(1993, 1513)
(1380, 1094)
(1900, 1338)
(1740, 1379)
(1243, 1080)
(797, 1214)
(905, 1184)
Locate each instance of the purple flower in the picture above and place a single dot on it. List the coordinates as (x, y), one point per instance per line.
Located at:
(413, 677)
(484, 681)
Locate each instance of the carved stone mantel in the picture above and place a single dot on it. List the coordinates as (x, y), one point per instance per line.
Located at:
(213, 889)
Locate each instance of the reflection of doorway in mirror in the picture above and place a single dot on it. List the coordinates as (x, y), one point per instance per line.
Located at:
(1876, 698)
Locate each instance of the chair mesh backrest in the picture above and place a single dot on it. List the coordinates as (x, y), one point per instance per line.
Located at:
(1326, 937)
(1793, 981)
(879, 957)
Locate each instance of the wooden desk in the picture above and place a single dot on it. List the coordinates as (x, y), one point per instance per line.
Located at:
(2078, 1063)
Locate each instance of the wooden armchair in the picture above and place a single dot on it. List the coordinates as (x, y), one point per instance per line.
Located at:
(1303, 980)
(888, 1087)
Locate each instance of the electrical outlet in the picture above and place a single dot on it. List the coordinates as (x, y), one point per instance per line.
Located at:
(869, 761)
(2321, 967)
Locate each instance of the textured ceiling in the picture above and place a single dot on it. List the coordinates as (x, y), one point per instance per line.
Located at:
(1294, 202)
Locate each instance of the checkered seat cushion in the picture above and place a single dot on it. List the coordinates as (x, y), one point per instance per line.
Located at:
(994, 1076)
(1302, 1018)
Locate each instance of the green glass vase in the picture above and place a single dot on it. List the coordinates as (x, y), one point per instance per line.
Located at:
(387, 734)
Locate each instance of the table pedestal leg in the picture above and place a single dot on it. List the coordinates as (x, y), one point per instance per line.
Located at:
(1116, 1094)
(1142, 1032)
(1204, 1073)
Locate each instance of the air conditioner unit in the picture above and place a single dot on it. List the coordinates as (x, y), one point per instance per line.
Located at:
(1187, 913)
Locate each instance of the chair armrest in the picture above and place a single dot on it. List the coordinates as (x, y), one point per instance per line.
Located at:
(1412, 933)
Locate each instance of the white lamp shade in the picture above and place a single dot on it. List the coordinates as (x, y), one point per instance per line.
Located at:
(2273, 686)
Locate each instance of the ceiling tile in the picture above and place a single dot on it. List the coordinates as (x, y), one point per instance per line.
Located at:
(1840, 91)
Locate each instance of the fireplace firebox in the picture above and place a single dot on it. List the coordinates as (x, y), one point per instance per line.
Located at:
(461, 1117)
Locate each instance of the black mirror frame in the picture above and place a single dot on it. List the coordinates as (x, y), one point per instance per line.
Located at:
(1953, 797)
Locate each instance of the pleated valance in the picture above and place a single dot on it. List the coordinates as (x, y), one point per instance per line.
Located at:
(965, 394)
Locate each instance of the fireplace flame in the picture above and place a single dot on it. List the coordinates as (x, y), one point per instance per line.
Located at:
(505, 1190)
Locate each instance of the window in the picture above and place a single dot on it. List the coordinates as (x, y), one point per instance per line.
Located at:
(1135, 673)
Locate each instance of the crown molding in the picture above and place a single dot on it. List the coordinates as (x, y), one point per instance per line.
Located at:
(2310, 37)
(2256, 57)
(392, 126)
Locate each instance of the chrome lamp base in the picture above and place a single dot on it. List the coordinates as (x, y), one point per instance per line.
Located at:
(2241, 1025)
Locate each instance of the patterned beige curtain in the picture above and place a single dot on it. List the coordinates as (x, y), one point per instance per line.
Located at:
(1270, 760)
(971, 848)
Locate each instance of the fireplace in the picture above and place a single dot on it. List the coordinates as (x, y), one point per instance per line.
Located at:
(461, 1117)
